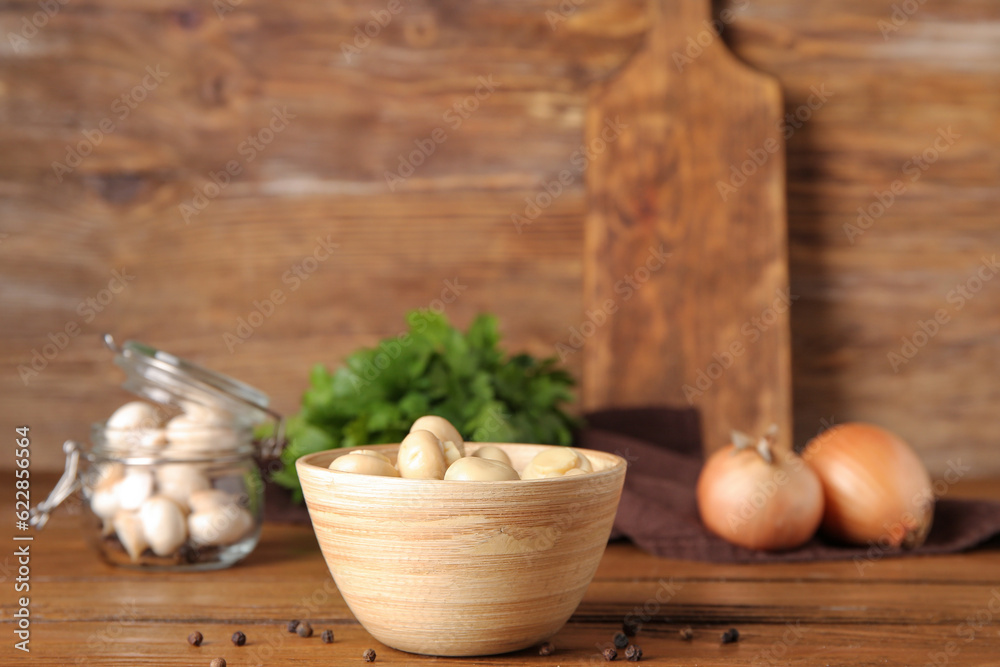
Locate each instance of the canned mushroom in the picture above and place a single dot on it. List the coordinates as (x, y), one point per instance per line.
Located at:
(193, 500)
(171, 482)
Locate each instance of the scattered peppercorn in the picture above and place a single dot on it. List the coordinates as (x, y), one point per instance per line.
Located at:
(189, 19)
(194, 639)
(239, 638)
(610, 654)
(327, 636)
(218, 662)
(631, 628)
(687, 633)
(292, 626)
(304, 629)
(548, 648)
(620, 640)
(633, 653)
(730, 636)
(368, 655)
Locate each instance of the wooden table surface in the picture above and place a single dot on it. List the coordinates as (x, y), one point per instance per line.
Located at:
(909, 612)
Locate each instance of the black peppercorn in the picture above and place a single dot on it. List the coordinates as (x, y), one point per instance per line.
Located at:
(188, 19)
(368, 655)
(686, 633)
(239, 638)
(304, 629)
(327, 636)
(218, 662)
(730, 636)
(620, 640)
(610, 654)
(194, 639)
(631, 627)
(633, 653)
(548, 648)
(292, 626)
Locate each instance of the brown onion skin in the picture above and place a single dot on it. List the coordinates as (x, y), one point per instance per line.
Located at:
(759, 505)
(876, 489)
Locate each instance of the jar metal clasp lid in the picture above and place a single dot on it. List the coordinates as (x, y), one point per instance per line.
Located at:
(164, 378)
(67, 484)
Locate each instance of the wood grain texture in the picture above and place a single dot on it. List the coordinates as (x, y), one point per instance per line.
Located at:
(120, 641)
(898, 612)
(324, 174)
(891, 88)
(685, 271)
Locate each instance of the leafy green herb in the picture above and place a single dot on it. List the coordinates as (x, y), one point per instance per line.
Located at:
(432, 369)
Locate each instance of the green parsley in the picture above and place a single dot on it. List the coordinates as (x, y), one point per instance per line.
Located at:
(433, 369)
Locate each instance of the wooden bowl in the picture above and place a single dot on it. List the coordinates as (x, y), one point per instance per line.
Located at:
(457, 568)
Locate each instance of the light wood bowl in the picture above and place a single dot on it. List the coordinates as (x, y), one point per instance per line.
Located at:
(455, 568)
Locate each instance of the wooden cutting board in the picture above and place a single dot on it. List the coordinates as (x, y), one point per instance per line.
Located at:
(685, 269)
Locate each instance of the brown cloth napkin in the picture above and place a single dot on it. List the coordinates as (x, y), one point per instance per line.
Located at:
(658, 511)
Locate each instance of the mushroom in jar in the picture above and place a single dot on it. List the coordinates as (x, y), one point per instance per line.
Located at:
(134, 488)
(104, 503)
(187, 435)
(104, 499)
(134, 415)
(178, 481)
(219, 521)
(134, 425)
(206, 499)
(206, 414)
(128, 528)
(163, 525)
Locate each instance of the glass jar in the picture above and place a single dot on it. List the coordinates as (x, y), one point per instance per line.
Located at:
(178, 487)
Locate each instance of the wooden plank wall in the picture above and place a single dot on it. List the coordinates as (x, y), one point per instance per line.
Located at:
(309, 114)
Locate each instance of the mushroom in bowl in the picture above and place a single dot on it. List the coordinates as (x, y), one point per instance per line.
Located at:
(455, 567)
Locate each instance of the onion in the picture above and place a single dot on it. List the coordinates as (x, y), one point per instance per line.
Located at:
(876, 488)
(759, 498)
